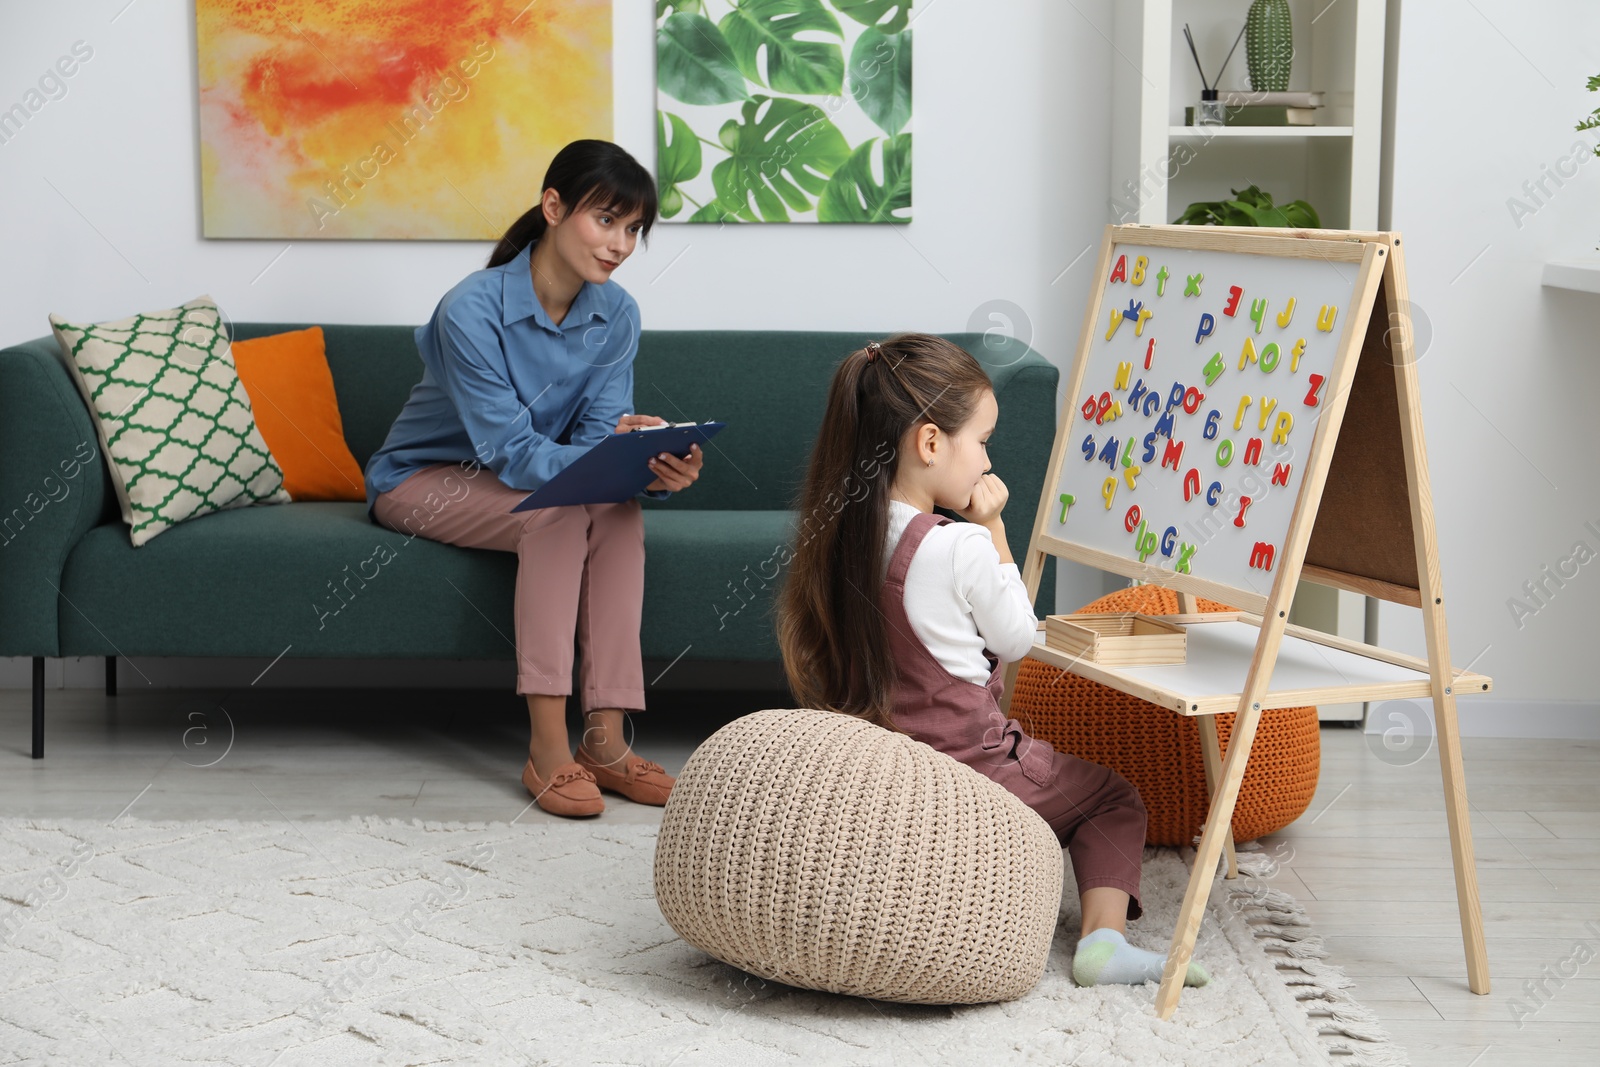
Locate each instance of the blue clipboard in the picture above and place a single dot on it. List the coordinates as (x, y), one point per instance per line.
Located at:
(617, 468)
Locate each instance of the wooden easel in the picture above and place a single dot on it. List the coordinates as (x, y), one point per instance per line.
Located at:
(1376, 537)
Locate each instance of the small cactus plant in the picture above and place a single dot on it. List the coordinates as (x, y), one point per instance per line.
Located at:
(1269, 45)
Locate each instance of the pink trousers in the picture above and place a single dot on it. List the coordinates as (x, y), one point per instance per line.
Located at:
(578, 567)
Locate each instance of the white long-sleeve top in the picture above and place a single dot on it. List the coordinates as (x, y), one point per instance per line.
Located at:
(961, 599)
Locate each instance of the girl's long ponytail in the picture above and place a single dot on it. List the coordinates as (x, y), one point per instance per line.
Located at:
(831, 627)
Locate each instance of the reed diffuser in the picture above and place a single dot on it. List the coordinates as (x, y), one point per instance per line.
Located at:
(1209, 112)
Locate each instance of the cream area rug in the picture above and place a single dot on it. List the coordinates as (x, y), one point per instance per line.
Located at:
(375, 941)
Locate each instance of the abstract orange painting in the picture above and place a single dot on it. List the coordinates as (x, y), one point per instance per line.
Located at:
(399, 119)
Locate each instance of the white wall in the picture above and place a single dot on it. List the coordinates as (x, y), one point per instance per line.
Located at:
(1487, 97)
(99, 211)
(99, 202)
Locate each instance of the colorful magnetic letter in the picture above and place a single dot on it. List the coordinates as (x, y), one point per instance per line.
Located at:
(1169, 538)
(1130, 474)
(1191, 485)
(1193, 288)
(1191, 402)
(1185, 552)
(1124, 372)
(1325, 318)
(1139, 265)
(1270, 356)
(1244, 406)
(1244, 506)
(1108, 490)
(1280, 432)
(1210, 432)
(1109, 453)
(1173, 456)
(1145, 542)
(1149, 353)
(1130, 521)
(1295, 353)
(1261, 556)
(1116, 320)
(1207, 324)
(1286, 315)
(1258, 311)
(1145, 315)
(1127, 453)
(1225, 452)
(1231, 308)
(1119, 273)
(1067, 500)
(1252, 451)
(1161, 281)
(1131, 312)
(1280, 474)
(1214, 368)
(1267, 404)
(1213, 494)
(1088, 447)
(1316, 383)
(1247, 354)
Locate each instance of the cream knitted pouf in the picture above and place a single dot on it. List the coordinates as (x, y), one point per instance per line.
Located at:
(819, 850)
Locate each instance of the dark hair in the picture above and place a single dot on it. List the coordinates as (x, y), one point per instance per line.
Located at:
(584, 172)
(831, 630)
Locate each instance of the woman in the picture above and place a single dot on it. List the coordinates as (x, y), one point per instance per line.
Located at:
(527, 364)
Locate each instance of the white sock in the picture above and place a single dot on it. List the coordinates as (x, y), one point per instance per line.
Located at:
(1105, 956)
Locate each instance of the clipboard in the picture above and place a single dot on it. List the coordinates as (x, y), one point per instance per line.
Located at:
(617, 468)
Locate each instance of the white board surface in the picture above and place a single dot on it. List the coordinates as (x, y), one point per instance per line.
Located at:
(1207, 392)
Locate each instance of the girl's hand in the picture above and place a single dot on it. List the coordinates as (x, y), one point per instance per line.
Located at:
(989, 498)
(674, 473)
(632, 422)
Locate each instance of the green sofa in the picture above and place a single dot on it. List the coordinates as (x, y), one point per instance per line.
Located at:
(287, 580)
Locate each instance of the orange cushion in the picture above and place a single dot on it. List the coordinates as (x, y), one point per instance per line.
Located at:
(291, 394)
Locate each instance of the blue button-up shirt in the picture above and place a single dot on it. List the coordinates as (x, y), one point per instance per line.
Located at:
(505, 385)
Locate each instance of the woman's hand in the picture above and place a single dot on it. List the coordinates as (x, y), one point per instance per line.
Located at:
(671, 472)
(989, 498)
(634, 422)
(674, 473)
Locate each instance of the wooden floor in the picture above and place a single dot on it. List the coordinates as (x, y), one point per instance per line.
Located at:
(1369, 860)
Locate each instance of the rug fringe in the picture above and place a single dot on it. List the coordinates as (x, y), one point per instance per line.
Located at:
(1346, 1030)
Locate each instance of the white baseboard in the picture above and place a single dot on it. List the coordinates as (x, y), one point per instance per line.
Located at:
(1568, 719)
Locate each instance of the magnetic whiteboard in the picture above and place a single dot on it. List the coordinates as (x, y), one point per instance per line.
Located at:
(1198, 402)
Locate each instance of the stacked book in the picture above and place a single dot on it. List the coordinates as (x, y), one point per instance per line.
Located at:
(1242, 107)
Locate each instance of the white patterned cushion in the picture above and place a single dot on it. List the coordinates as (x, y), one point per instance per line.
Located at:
(172, 415)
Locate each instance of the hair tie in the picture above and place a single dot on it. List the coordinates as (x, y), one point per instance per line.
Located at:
(873, 348)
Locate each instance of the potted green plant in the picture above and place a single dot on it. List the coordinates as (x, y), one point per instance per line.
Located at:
(1250, 207)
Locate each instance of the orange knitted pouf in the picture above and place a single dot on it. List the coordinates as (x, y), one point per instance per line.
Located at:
(1159, 750)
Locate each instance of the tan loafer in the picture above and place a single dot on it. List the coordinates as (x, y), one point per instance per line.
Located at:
(641, 781)
(571, 790)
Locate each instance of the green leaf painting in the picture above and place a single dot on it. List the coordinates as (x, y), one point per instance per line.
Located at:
(675, 162)
(773, 28)
(852, 195)
(871, 12)
(880, 78)
(694, 63)
(784, 110)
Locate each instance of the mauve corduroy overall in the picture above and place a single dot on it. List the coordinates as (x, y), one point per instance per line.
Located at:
(1095, 812)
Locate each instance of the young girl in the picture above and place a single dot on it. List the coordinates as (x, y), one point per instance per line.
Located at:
(905, 618)
(527, 365)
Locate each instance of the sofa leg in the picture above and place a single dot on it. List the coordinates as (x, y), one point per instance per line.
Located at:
(111, 676)
(38, 707)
